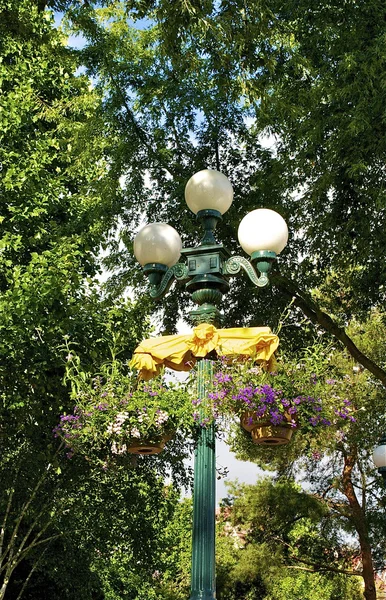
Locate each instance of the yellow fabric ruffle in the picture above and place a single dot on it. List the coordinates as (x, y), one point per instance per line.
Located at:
(179, 352)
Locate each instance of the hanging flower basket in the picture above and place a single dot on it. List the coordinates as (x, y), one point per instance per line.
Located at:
(264, 432)
(116, 415)
(148, 447)
(272, 405)
(145, 448)
(271, 435)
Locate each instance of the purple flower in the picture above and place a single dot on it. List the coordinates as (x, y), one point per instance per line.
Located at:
(331, 381)
(276, 417)
(314, 421)
(269, 394)
(343, 414)
(223, 378)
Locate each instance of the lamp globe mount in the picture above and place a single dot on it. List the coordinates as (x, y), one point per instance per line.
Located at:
(157, 247)
(209, 194)
(263, 234)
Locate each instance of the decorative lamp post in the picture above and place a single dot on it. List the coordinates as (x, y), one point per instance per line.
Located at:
(379, 457)
(206, 271)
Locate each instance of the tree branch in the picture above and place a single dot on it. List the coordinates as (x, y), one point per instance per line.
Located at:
(33, 568)
(319, 317)
(142, 134)
(4, 524)
(317, 568)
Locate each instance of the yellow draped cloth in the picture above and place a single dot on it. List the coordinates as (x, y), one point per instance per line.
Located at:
(179, 352)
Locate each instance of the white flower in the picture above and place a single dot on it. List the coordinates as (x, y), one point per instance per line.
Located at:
(121, 417)
(161, 417)
(135, 433)
(117, 449)
(143, 417)
(114, 428)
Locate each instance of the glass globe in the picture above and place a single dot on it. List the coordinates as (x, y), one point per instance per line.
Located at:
(157, 243)
(379, 455)
(209, 190)
(263, 230)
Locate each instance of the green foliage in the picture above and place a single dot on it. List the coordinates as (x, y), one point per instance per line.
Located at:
(338, 471)
(58, 198)
(287, 529)
(114, 410)
(296, 392)
(291, 586)
(287, 100)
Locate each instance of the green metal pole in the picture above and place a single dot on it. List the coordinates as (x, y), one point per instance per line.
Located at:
(203, 585)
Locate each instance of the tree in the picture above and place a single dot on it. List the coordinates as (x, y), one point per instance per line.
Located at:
(197, 88)
(59, 197)
(200, 85)
(287, 538)
(337, 471)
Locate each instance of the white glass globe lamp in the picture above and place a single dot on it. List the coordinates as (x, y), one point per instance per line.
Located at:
(209, 190)
(157, 243)
(379, 457)
(263, 230)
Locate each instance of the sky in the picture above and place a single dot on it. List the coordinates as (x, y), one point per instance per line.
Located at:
(243, 472)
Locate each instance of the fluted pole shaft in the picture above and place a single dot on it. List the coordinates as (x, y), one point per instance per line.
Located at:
(203, 585)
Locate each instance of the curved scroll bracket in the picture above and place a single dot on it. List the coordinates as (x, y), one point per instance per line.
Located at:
(178, 272)
(235, 263)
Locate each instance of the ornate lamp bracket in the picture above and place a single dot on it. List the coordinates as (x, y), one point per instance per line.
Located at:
(235, 263)
(161, 278)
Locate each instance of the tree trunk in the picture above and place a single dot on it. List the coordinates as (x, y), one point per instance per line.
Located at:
(359, 520)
